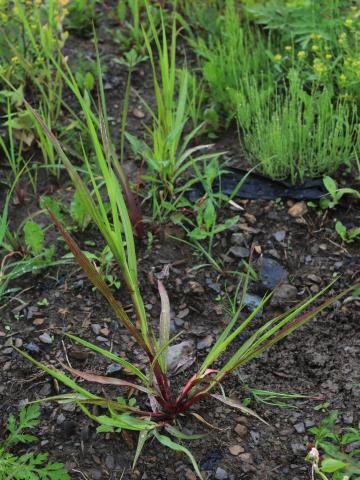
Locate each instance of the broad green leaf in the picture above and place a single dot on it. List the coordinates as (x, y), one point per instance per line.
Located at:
(331, 465)
(89, 81)
(34, 237)
(143, 436)
(53, 205)
(330, 185)
(79, 212)
(341, 229)
(209, 214)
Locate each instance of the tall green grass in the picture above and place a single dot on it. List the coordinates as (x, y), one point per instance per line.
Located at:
(294, 133)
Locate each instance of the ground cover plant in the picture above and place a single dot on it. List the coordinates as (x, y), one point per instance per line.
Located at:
(339, 453)
(27, 465)
(154, 110)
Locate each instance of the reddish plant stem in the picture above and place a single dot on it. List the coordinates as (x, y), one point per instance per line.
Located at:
(189, 403)
(166, 401)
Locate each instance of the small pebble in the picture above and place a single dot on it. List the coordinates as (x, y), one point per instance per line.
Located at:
(241, 430)
(221, 474)
(32, 347)
(236, 450)
(299, 427)
(46, 338)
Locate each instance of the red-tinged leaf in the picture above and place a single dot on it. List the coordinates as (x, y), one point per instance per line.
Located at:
(92, 377)
(194, 380)
(98, 281)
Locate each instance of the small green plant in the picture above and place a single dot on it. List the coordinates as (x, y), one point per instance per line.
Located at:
(206, 225)
(347, 235)
(335, 193)
(332, 453)
(85, 75)
(24, 250)
(171, 153)
(166, 405)
(130, 15)
(81, 16)
(29, 465)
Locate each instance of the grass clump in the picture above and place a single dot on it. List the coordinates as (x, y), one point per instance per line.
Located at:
(300, 133)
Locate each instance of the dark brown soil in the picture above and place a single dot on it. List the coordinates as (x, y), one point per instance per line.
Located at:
(320, 360)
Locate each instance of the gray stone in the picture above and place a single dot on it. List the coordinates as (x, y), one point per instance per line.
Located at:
(221, 474)
(255, 436)
(95, 327)
(252, 301)
(46, 338)
(280, 235)
(240, 252)
(284, 293)
(271, 273)
(205, 342)
(113, 368)
(109, 462)
(32, 347)
(60, 419)
(299, 427)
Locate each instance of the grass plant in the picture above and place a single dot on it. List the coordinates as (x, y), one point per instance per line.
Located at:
(171, 153)
(131, 413)
(300, 134)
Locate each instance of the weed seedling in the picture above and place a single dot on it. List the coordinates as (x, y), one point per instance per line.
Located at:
(347, 235)
(333, 454)
(29, 465)
(335, 193)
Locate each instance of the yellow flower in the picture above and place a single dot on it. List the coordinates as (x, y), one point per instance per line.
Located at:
(315, 48)
(63, 2)
(288, 48)
(348, 22)
(328, 56)
(342, 78)
(301, 54)
(277, 57)
(15, 60)
(319, 67)
(315, 36)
